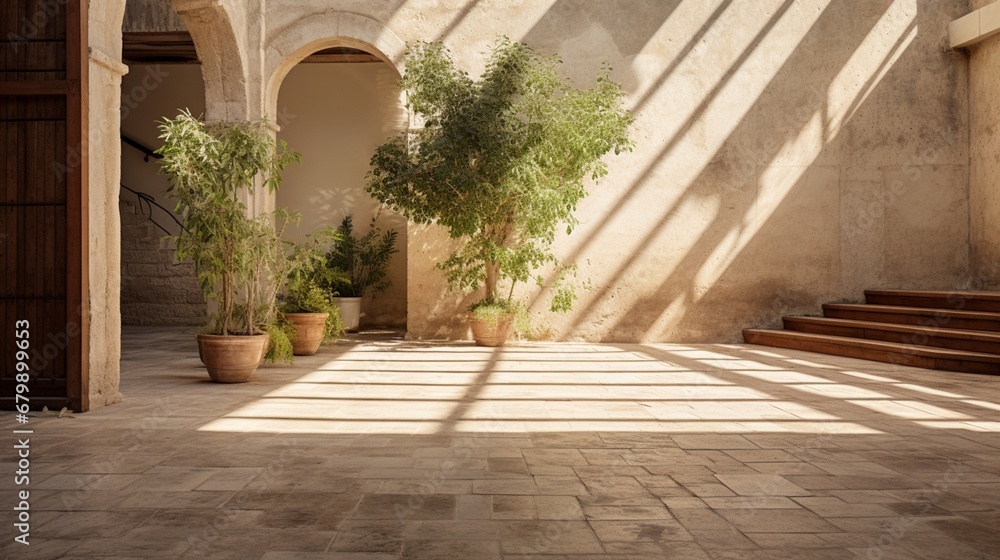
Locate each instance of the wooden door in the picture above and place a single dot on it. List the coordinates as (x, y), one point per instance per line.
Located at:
(43, 194)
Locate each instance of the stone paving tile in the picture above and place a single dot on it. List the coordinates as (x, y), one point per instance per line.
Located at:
(513, 507)
(625, 512)
(328, 556)
(558, 507)
(781, 455)
(369, 536)
(103, 524)
(473, 506)
(777, 521)
(549, 537)
(77, 500)
(835, 507)
(761, 485)
(451, 550)
(752, 502)
(713, 441)
(39, 549)
(405, 506)
(473, 530)
(684, 503)
(173, 479)
(788, 540)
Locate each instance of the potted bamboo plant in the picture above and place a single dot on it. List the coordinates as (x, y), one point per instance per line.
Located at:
(239, 259)
(501, 164)
(361, 263)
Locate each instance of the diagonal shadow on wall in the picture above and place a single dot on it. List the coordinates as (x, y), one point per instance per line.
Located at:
(734, 183)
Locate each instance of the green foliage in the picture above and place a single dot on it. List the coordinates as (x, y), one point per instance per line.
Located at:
(501, 162)
(280, 336)
(309, 283)
(342, 287)
(240, 260)
(363, 261)
(492, 311)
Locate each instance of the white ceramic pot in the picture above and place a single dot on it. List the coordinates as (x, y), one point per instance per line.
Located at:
(350, 312)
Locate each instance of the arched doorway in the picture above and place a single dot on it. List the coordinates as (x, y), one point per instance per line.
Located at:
(335, 107)
(165, 77)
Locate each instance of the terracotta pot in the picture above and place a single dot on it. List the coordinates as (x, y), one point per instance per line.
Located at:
(267, 340)
(489, 333)
(231, 359)
(309, 328)
(350, 312)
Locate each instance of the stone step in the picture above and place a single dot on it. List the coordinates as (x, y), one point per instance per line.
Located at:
(956, 300)
(972, 341)
(924, 316)
(889, 352)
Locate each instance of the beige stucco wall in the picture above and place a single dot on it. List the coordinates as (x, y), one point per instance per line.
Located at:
(984, 176)
(335, 115)
(788, 153)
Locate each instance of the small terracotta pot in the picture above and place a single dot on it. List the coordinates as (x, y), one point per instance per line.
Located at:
(491, 334)
(309, 329)
(231, 359)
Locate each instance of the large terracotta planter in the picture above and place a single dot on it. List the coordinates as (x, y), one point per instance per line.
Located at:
(309, 329)
(488, 333)
(267, 340)
(231, 359)
(350, 312)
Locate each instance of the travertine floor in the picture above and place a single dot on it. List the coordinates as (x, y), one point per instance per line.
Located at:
(387, 449)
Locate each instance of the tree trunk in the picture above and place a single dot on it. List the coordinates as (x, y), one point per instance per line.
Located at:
(492, 274)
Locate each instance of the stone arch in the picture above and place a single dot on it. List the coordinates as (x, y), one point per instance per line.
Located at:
(215, 27)
(330, 29)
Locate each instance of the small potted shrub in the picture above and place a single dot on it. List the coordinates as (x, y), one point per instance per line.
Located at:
(362, 263)
(239, 259)
(307, 303)
(501, 164)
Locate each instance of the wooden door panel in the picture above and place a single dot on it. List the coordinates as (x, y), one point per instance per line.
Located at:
(43, 79)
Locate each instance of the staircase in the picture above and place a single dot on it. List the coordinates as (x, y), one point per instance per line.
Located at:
(155, 291)
(953, 331)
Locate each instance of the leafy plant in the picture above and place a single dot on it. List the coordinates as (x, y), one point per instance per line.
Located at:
(281, 333)
(501, 161)
(363, 261)
(239, 259)
(492, 311)
(308, 283)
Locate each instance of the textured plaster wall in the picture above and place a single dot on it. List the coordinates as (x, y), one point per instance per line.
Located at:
(984, 176)
(335, 115)
(788, 153)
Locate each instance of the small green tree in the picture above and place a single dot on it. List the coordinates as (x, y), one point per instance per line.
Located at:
(501, 161)
(240, 260)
